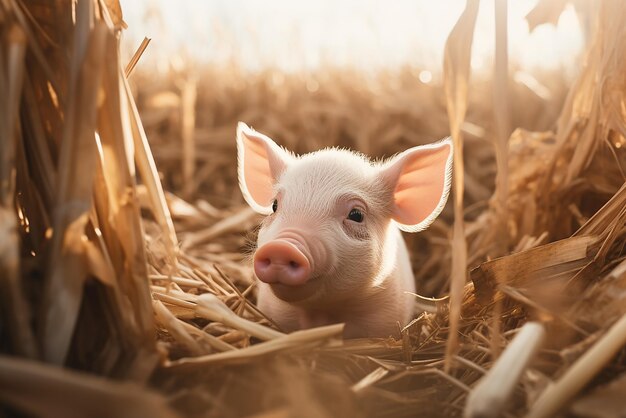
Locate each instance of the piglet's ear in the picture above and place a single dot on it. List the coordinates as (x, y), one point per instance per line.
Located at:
(260, 164)
(420, 179)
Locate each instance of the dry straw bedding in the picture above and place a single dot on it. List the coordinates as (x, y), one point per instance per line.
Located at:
(106, 311)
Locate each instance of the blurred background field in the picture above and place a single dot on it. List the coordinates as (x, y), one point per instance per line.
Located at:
(128, 281)
(362, 75)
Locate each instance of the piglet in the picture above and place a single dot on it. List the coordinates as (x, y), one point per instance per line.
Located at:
(330, 249)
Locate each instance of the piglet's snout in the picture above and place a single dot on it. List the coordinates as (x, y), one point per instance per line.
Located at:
(282, 262)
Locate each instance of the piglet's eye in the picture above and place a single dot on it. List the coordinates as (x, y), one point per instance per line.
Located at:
(356, 215)
(275, 205)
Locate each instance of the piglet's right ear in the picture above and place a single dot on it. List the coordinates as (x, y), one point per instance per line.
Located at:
(260, 164)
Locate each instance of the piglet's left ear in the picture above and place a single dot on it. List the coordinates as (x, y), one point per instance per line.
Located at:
(420, 179)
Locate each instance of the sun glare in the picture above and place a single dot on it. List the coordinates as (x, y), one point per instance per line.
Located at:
(365, 34)
(425, 76)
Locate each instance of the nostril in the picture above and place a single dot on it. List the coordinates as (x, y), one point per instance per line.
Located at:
(264, 262)
(294, 265)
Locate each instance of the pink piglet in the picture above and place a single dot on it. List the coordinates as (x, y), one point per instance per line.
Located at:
(330, 249)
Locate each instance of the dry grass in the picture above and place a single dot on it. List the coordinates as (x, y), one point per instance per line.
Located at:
(95, 280)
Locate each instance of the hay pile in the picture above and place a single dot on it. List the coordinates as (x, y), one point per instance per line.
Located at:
(106, 311)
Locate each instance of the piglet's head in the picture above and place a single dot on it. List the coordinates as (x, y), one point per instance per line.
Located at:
(327, 236)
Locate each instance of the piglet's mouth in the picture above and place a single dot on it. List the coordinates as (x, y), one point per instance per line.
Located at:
(299, 293)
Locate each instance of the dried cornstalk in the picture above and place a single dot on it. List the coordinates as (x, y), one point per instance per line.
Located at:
(490, 396)
(68, 180)
(210, 307)
(63, 297)
(48, 391)
(188, 124)
(296, 340)
(136, 56)
(13, 299)
(502, 130)
(580, 373)
(456, 71)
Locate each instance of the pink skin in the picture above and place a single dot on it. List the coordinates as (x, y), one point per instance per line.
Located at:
(330, 249)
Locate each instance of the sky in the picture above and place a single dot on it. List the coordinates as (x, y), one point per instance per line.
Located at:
(368, 34)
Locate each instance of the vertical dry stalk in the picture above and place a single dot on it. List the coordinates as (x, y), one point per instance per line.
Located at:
(502, 126)
(11, 84)
(150, 178)
(118, 208)
(63, 297)
(456, 71)
(15, 306)
(188, 125)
